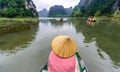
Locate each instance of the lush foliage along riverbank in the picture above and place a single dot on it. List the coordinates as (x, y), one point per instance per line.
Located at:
(16, 24)
(13, 42)
(105, 31)
(17, 8)
(97, 8)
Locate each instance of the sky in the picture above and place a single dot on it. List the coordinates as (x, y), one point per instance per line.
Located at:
(40, 4)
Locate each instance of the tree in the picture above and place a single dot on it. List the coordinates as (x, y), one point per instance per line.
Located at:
(11, 12)
(17, 8)
(77, 13)
(96, 7)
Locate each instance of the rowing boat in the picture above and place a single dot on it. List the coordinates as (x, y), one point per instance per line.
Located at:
(81, 64)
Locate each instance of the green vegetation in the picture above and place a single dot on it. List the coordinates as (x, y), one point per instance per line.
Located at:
(117, 13)
(102, 7)
(105, 33)
(17, 8)
(16, 33)
(97, 8)
(16, 24)
(13, 42)
(57, 11)
(77, 13)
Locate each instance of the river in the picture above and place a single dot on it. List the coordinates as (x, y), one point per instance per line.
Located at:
(98, 44)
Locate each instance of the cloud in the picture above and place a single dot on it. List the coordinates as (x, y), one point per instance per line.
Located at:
(40, 4)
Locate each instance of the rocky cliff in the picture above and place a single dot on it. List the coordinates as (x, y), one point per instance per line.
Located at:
(43, 13)
(69, 10)
(97, 7)
(17, 8)
(57, 10)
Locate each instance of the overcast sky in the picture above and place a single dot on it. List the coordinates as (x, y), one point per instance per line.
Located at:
(40, 4)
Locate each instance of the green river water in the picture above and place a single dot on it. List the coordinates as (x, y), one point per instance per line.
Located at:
(28, 50)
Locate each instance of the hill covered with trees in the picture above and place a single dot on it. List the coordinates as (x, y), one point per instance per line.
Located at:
(97, 8)
(17, 8)
(59, 10)
(56, 11)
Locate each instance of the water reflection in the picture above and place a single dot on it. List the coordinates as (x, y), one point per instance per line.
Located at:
(13, 42)
(105, 32)
(90, 23)
(97, 46)
(55, 22)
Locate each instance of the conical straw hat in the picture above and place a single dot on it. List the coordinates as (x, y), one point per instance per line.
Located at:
(64, 46)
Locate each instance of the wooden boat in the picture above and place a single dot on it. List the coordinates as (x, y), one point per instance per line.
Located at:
(81, 64)
(61, 20)
(91, 19)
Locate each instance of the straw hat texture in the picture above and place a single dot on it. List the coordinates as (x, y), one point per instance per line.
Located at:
(64, 46)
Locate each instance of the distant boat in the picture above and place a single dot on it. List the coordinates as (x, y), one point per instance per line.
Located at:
(82, 65)
(91, 19)
(61, 20)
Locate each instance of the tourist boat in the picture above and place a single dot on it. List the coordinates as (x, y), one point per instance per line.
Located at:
(91, 19)
(81, 64)
(61, 20)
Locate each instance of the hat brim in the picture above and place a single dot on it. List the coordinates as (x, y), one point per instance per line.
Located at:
(64, 46)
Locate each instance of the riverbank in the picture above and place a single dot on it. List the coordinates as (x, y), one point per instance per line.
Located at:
(16, 24)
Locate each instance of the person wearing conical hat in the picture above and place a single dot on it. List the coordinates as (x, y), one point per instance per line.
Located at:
(62, 57)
